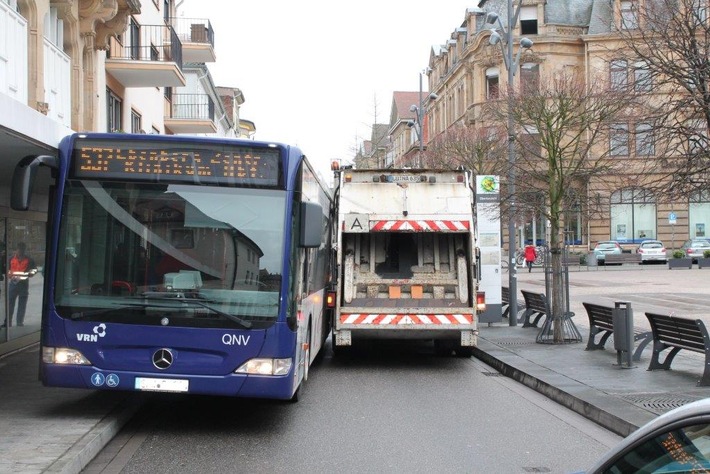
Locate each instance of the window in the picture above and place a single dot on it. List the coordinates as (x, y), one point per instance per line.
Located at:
(135, 30)
(629, 15)
(54, 28)
(618, 74)
(642, 77)
(633, 215)
(530, 78)
(700, 8)
(619, 140)
(492, 85)
(699, 214)
(166, 11)
(136, 122)
(113, 112)
(644, 140)
(528, 20)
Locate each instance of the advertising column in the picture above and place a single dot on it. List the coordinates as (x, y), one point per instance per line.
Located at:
(489, 242)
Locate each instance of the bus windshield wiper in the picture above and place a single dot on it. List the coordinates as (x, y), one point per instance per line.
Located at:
(202, 303)
(98, 312)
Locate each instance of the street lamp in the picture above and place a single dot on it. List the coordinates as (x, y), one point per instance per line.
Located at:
(501, 35)
(418, 122)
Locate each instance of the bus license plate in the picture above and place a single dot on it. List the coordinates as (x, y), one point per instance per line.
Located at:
(161, 385)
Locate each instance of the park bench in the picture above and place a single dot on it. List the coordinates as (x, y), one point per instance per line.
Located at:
(621, 258)
(505, 300)
(601, 323)
(535, 307)
(676, 333)
(571, 260)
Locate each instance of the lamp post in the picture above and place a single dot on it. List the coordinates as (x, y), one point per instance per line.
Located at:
(500, 36)
(418, 123)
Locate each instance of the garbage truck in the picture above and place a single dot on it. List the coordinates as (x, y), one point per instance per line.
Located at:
(407, 260)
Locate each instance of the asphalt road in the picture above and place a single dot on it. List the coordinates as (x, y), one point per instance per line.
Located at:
(389, 408)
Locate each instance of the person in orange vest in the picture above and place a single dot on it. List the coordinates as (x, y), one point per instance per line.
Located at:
(22, 268)
(530, 256)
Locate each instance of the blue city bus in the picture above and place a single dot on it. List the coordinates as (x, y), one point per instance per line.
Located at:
(182, 264)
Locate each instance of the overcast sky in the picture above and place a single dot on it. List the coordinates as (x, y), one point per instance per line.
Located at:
(315, 72)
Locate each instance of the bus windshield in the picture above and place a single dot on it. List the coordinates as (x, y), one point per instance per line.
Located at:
(167, 254)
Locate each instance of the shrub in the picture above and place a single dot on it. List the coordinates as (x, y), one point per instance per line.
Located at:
(706, 254)
(678, 254)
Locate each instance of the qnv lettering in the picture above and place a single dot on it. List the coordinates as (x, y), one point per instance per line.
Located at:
(235, 340)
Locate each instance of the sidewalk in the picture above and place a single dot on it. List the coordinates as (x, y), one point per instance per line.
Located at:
(60, 430)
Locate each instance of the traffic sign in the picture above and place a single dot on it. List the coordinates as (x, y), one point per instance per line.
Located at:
(671, 218)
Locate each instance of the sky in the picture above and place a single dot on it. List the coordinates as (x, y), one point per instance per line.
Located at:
(319, 73)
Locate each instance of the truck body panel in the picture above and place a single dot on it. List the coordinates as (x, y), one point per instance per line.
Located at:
(406, 253)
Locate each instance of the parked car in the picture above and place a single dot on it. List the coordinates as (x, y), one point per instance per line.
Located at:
(652, 251)
(604, 248)
(694, 248)
(677, 441)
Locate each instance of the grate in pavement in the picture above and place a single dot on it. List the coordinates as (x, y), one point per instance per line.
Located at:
(659, 402)
(512, 341)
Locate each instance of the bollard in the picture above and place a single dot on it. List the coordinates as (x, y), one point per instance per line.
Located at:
(622, 318)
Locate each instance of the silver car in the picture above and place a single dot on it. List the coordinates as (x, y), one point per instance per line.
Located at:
(652, 251)
(694, 248)
(677, 441)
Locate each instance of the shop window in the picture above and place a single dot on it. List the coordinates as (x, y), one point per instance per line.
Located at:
(633, 215)
(699, 214)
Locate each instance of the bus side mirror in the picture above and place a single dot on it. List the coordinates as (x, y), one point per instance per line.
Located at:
(23, 179)
(311, 225)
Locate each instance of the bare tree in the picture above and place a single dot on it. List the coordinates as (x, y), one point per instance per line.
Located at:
(558, 132)
(670, 42)
(480, 150)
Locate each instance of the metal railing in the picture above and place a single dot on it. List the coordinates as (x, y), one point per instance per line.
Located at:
(157, 43)
(193, 30)
(192, 107)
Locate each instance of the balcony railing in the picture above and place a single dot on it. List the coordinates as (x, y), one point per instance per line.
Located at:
(192, 107)
(193, 30)
(57, 83)
(155, 43)
(13, 54)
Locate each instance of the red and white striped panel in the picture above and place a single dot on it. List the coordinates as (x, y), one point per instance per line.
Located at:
(405, 319)
(420, 226)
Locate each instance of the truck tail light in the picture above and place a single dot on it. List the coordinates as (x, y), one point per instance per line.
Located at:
(481, 301)
(330, 299)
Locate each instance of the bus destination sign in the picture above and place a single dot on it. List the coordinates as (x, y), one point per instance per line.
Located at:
(155, 161)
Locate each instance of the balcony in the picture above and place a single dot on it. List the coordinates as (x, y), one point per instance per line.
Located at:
(57, 84)
(150, 57)
(190, 113)
(13, 54)
(197, 37)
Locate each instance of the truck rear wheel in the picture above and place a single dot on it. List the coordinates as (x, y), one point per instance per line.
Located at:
(443, 347)
(464, 351)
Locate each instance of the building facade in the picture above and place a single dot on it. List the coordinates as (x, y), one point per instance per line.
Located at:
(112, 66)
(467, 73)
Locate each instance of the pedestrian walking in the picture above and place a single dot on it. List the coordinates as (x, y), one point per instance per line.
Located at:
(530, 256)
(22, 268)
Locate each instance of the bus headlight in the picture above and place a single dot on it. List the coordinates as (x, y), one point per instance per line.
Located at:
(63, 355)
(265, 367)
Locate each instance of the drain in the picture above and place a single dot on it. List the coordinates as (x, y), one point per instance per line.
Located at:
(659, 402)
(512, 342)
(536, 469)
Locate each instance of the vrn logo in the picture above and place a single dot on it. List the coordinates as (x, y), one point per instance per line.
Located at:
(98, 331)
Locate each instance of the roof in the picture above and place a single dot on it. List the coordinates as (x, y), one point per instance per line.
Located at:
(401, 103)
